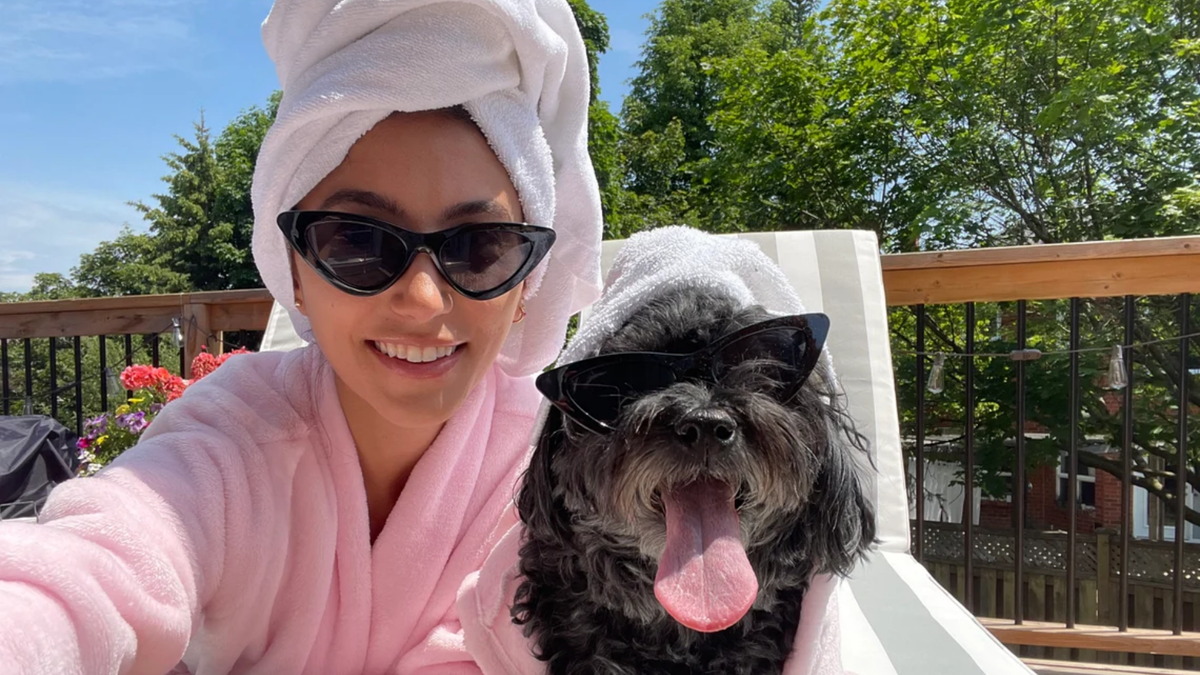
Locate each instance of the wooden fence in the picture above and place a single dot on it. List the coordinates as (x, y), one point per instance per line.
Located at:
(1046, 594)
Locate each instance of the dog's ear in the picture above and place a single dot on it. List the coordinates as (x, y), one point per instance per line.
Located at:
(541, 509)
(839, 523)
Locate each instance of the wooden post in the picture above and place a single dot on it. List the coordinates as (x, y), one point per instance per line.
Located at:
(1168, 622)
(1010, 595)
(1143, 617)
(1104, 585)
(197, 327)
(1058, 612)
(987, 594)
(1088, 614)
(943, 576)
(1035, 607)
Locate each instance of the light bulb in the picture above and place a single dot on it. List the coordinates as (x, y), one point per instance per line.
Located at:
(1116, 369)
(114, 381)
(176, 334)
(937, 376)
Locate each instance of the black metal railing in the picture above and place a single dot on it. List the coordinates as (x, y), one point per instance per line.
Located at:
(1023, 356)
(48, 398)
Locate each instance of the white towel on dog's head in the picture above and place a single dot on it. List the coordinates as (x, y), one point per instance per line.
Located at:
(518, 67)
(657, 262)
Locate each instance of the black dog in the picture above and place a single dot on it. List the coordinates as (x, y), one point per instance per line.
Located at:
(596, 506)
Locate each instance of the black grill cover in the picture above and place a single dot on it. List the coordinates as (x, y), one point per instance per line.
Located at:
(36, 453)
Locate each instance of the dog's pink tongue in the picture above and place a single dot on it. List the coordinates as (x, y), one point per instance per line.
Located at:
(704, 578)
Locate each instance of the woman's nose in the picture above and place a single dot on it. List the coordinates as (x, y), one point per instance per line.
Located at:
(421, 294)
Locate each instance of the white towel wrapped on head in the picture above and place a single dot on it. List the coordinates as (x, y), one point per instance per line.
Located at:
(518, 67)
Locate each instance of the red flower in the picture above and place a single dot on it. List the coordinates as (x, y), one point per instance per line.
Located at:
(161, 380)
(225, 357)
(138, 377)
(204, 364)
(173, 387)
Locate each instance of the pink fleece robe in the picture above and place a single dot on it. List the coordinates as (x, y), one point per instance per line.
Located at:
(234, 538)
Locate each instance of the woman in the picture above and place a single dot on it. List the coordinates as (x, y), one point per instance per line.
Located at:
(317, 510)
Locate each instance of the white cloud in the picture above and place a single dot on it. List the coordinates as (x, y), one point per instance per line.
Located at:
(46, 228)
(76, 40)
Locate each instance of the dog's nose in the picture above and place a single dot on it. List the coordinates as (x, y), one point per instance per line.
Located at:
(706, 423)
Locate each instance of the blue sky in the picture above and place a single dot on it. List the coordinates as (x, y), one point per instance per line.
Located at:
(92, 92)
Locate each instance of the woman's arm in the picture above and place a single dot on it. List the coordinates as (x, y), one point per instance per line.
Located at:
(113, 575)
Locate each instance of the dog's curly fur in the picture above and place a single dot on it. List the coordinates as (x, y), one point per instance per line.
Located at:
(594, 522)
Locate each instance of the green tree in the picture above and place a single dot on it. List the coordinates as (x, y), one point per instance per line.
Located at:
(1035, 121)
(187, 233)
(677, 78)
(201, 227)
(236, 151)
(939, 125)
(604, 130)
(668, 137)
(51, 286)
(127, 265)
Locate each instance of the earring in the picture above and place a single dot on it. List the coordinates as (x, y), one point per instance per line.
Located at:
(520, 313)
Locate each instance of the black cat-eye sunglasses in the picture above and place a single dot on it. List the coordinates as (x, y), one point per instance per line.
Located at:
(593, 391)
(365, 256)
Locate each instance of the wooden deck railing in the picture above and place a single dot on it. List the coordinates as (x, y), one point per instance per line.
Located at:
(1152, 267)
(202, 316)
(1098, 269)
(1163, 266)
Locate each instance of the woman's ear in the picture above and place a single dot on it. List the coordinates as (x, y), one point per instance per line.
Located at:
(519, 312)
(297, 292)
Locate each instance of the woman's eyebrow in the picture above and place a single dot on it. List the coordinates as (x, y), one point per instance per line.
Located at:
(378, 202)
(479, 207)
(365, 198)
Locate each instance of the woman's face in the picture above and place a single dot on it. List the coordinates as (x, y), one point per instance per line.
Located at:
(423, 172)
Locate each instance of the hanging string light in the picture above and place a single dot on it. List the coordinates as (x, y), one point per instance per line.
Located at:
(1116, 368)
(176, 334)
(114, 381)
(937, 376)
(1033, 354)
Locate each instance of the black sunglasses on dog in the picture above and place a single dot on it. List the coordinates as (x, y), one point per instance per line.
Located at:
(365, 256)
(593, 391)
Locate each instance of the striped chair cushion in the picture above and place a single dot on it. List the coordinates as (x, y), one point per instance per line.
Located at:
(897, 620)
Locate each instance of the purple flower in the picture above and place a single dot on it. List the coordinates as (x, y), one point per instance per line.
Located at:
(156, 407)
(135, 422)
(96, 426)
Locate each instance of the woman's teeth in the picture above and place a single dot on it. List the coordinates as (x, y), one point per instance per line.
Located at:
(414, 354)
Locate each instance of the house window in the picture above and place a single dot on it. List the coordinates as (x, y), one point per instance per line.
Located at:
(1085, 478)
(1191, 498)
(1008, 493)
